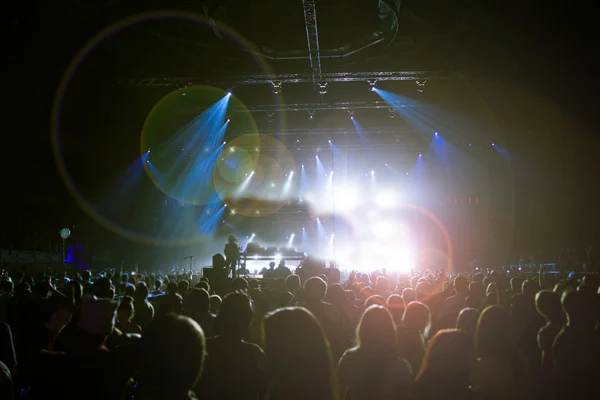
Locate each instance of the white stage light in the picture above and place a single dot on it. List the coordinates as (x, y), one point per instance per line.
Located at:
(384, 229)
(346, 198)
(385, 199)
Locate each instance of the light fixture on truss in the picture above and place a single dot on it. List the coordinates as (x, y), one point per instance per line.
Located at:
(322, 87)
(276, 87)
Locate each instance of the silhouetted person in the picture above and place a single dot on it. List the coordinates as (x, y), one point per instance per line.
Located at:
(197, 307)
(413, 332)
(373, 369)
(232, 255)
(577, 348)
(548, 306)
(299, 362)
(446, 367)
(500, 371)
(144, 311)
(234, 368)
(172, 356)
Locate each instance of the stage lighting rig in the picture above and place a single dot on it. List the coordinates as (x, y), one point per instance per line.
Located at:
(421, 85)
(276, 87)
(311, 115)
(351, 114)
(372, 84)
(391, 113)
(322, 87)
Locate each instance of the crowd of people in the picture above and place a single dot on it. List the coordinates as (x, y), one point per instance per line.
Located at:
(378, 335)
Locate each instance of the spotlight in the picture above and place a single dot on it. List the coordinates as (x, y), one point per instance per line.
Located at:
(329, 141)
(276, 87)
(391, 113)
(228, 119)
(372, 84)
(470, 145)
(493, 143)
(229, 90)
(224, 143)
(436, 133)
(421, 85)
(302, 165)
(311, 115)
(420, 155)
(322, 87)
(351, 114)
(386, 165)
(372, 172)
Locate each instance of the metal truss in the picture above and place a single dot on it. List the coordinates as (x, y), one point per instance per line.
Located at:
(312, 38)
(308, 107)
(180, 82)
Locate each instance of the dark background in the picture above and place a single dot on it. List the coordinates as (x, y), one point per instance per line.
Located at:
(532, 65)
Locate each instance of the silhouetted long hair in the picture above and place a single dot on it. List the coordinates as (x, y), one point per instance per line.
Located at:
(299, 360)
(494, 339)
(376, 332)
(445, 368)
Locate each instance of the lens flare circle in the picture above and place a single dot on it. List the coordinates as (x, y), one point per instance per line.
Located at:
(62, 91)
(269, 161)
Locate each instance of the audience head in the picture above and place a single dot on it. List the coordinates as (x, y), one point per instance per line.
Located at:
(292, 336)
(292, 283)
(199, 299)
(235, 315)
(493, 337)
(315, 288)
(183, 287)
(376, 332)
(409, 295)
(461, 286)
(174, 368)
(375, 300)
(548, 305)
(417, 317)
(103, 288)
(529, 288)
(335, 295)
(580, 308)
(215, 304)
(125, 312)
(467, 321)
(239, 284)
(447, 362)
(396, 307)
(141, 291)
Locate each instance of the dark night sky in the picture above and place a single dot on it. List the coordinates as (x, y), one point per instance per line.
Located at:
(533, 62)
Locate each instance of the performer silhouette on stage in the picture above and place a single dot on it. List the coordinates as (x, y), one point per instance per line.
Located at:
(232, 255)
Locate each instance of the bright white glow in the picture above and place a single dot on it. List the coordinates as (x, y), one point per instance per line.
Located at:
(277, 257)
(384, 229)
(289, 243)
(346, 198)
(385, 199)
(406, 260)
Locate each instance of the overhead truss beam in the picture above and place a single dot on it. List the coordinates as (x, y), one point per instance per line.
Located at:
(309, 107)
(312, 38)
(179, 82)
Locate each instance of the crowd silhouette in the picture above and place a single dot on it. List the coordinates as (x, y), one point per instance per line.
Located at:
(378, 335)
